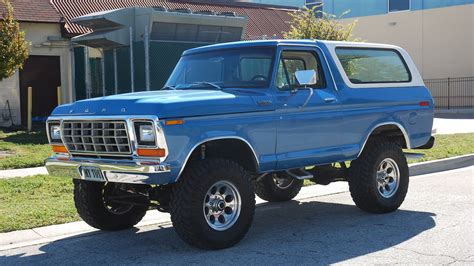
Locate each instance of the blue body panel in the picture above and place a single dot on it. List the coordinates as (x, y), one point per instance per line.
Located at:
(282, 134)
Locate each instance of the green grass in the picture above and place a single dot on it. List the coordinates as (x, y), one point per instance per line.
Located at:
(44, 200)
(35, 201)
(448, 146)
(24, 149)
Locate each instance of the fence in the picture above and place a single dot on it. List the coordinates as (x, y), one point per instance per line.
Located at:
(452, 93)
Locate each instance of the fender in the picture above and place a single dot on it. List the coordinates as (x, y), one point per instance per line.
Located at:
(402, 129)
(217, 138)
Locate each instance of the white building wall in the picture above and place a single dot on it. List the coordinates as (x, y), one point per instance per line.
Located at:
(441, 40)
(37, 34)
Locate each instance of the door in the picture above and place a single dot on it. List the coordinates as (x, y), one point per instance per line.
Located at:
(306, 135)
(43, 74)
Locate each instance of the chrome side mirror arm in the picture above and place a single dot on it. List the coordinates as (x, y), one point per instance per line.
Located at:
(311, 91)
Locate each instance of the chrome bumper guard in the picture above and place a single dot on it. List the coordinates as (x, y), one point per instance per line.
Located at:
(121, 171)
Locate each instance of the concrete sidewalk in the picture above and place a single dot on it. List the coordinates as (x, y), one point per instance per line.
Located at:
(453, 126)
(23, 172)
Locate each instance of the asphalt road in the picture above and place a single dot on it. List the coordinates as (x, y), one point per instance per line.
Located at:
(434, 225)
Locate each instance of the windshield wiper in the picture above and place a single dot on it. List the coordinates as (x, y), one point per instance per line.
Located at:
(206, 83)
(168, 88)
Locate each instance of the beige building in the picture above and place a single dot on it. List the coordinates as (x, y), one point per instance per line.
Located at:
(440, 40)
(47, 67)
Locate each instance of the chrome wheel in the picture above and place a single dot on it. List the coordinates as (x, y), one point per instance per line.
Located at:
(282, 182)
(222, 204)
(388, 178)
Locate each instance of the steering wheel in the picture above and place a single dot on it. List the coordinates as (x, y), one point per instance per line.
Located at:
(259, 77)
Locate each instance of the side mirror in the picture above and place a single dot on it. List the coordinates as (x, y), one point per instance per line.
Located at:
(306, 77)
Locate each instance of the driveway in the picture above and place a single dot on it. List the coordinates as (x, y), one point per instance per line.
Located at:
(434, 225)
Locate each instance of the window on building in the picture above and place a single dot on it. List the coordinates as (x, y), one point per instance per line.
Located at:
(398, 5)
(317, 4)
(165, 31)
(373, 65)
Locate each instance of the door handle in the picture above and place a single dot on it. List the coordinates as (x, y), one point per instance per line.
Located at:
(329, 100)
(264, 102)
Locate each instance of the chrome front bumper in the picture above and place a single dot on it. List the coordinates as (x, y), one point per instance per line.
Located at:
(120, 171)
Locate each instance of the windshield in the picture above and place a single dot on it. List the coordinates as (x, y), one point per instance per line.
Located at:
(243, 67)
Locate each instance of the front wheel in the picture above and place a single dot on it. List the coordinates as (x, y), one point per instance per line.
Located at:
(213, 203)
(378, 179)
(95, 206)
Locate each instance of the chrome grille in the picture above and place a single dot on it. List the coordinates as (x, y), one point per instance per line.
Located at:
(96, 137)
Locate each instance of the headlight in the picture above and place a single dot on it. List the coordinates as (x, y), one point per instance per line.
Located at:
(150, 139)
(145, 132)
(55, 132)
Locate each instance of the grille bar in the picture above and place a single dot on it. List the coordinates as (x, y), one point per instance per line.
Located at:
(103, 137)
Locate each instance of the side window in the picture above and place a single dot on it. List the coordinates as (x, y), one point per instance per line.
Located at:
(373, 65)
(292, 61)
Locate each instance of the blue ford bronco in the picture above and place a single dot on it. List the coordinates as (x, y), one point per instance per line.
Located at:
(240, 119)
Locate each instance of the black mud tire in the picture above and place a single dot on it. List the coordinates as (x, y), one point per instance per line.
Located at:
(89, 201)
(267, 189)
(362, 177)
(187, 199)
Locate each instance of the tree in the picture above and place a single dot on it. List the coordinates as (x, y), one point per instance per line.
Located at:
(316, 24)
(14, 49)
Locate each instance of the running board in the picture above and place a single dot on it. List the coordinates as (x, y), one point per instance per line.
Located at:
(413, 155)
(299, 174)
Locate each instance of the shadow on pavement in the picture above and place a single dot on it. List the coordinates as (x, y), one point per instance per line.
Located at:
(292, 232)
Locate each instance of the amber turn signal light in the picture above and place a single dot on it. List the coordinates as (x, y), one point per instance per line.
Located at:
(59, 148)
(174, 122)
(151, 152)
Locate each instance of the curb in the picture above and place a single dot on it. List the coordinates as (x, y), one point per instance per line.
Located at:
(441, 165)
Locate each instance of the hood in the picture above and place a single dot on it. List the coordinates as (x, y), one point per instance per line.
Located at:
(170, 103)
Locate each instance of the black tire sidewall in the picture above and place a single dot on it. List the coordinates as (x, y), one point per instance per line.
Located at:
(246, 206)
(362, 177)
(89, 202)
(396, 199)
(209, 172)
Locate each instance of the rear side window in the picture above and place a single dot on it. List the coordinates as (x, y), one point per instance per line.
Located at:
(372, 65)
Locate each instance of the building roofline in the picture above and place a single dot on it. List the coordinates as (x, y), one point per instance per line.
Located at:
(238, 4)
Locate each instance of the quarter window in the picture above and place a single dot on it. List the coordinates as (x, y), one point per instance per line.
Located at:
(398, 5)
(372, 65)
(292, 61)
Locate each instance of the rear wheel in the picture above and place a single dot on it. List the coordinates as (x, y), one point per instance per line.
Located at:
(378, 179)
(213, 204)
(278, 186)
(97, 205)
